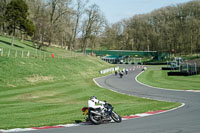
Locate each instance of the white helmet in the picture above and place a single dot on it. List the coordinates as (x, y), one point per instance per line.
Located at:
(93, 97)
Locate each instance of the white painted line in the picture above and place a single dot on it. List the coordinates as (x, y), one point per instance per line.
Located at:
(143, 114)
(73, 125)
(17, 130)
(162, 88)
(182, 104)
(97, 83)
(69, 125)
(193, 90)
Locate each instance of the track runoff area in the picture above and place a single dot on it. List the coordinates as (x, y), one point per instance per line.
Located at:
(134, 116)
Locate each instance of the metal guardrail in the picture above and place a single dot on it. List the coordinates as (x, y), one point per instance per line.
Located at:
(109, 70)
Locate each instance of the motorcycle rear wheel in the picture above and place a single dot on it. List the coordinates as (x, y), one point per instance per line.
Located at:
(94, 119)
(117, 118)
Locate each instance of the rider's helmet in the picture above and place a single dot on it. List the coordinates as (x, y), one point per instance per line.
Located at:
(93, 97)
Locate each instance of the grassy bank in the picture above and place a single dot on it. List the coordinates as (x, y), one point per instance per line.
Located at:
(159, 78)
(38, 92)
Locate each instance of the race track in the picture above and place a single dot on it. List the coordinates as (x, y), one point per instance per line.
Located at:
(182, 120)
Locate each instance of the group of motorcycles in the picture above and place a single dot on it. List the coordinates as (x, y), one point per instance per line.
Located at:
(121, 73)
(98, 116)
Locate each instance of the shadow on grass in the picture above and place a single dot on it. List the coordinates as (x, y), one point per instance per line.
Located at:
(8, 43)
(84, 122)
(41, 46)
(29, 45)
(78, 121)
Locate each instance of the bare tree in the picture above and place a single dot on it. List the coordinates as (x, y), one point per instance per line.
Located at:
(79, 11)
(169, 29)
(57, 8)
(91, 25)
(39, 16)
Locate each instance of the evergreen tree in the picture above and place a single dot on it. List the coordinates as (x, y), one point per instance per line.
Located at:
(16, 17)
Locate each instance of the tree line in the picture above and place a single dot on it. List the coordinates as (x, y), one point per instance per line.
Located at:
(71, 24)
(77, 24)
(174, 29)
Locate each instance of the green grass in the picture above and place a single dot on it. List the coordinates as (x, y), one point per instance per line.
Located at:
(159, 78)
(28, 46)
(192, 57)
(38, 92)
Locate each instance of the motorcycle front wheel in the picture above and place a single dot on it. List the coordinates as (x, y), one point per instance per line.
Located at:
(116, 117)
(94, 119)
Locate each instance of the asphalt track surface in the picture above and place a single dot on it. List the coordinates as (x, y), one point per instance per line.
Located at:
(182, 120)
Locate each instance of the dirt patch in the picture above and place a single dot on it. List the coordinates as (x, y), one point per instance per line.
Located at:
(27, 96)
(36, 95)
(10, 85)
(23, 63)
(38, 78)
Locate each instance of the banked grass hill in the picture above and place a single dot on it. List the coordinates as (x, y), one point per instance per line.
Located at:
(50, 91)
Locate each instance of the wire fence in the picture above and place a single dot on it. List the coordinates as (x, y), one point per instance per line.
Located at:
(15, 53)
(190, 68)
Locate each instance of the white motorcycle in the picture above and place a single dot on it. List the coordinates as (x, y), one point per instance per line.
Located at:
(98, 116)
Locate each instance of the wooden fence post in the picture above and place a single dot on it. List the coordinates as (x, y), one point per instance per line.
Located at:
(28, 54)
(16, 54)
(1, 50)
(22, 53)
(8, 52)
(195, 66)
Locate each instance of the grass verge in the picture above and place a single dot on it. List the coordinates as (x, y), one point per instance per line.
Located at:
(33, 101)
(36, 92)
(159, 78)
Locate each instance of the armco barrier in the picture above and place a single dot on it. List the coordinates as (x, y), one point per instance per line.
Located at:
(109, 70)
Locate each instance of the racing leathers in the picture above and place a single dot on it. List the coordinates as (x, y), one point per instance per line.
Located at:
(92, 103)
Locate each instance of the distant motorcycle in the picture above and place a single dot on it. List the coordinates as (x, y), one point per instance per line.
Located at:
(121, 74)
(116, 73)
(126, 71)
(98, 116)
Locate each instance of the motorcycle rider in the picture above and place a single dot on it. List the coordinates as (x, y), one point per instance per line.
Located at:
(93, 101)
(121, 74)
(126, 71)
(116, 72)
(98, 114)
